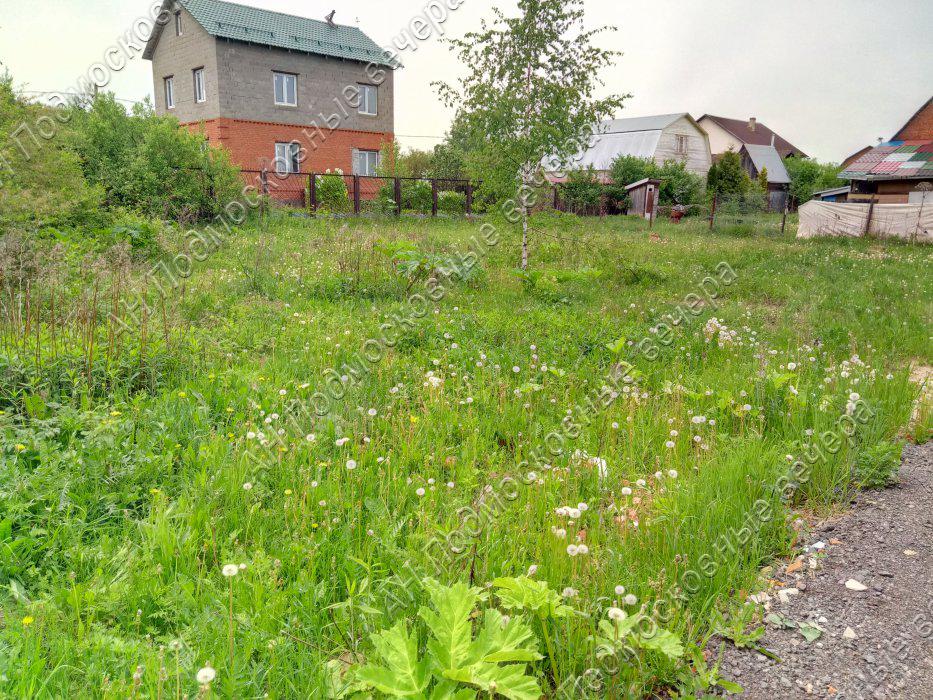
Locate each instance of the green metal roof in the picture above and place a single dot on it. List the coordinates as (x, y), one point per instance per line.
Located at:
(229, 20)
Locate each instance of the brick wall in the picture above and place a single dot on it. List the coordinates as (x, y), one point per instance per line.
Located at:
(920, 128)
(252, 144)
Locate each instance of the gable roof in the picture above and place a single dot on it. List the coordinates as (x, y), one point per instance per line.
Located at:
(900, 133)
(227, 20)
(761, 136)
(768, 157)
(894, 160)
(657, 122)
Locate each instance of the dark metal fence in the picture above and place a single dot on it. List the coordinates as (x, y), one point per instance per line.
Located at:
(361, 194)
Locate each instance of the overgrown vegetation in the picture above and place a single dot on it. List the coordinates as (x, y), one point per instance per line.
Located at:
(178, 499)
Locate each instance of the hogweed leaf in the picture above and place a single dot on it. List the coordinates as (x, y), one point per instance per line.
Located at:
(449, 622)
(524, 593)
(402, 674)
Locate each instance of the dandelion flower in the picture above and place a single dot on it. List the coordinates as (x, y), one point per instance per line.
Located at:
(28, 620)
(626, 491)
(230, 570)
(572, 550)
(672, 473)
(583, 549)
(616, 614)
(670, 444)
(620, 590)
(569, 592)
(630, 599)
(342, 441)
(247, 486)
(351, 464)
(420, 492)
(206, 675)
(20, 448)
(532, 570)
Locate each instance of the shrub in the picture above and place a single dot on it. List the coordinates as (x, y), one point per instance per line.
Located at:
(417, 196)
(582, 191)
(451, 202)
(332, 194)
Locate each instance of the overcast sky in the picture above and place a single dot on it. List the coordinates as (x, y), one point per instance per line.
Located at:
(829, 75)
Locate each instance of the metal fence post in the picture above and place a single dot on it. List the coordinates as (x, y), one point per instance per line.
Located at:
(469, 199)
(398, 196)
(433, 197)
(871, 211)
(356, 194)
(311, 194)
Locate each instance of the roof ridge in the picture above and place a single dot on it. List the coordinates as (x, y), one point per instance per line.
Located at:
(274, 12)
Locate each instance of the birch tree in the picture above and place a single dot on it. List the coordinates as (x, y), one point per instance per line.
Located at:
(529, 94)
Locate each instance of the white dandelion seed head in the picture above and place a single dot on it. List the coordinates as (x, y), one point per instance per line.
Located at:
(630, 599)
(620, 590)
(616, 614)
(206, 675)
(230, 570)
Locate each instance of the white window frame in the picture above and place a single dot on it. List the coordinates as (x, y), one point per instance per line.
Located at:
(178, 25)
(169, 83)
(287, 157)
(286, 78)
(368, 99)
(365, 162)
(200, 86)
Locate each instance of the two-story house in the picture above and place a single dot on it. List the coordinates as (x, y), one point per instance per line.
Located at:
(281, 92)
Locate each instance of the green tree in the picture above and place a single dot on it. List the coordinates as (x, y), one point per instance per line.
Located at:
(529, 94)
(808, 176)
(763, 179)
(418, 162)
(41, 183)
(728, 178)
(628, 169)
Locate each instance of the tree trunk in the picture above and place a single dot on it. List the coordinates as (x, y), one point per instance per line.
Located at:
(524, 235)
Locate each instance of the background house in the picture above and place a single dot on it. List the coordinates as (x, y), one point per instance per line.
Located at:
(759, 159)
(274, 89)
(659, 138)
(894, 171)
(731, 134)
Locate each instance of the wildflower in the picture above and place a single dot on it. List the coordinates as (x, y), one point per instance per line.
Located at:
(250, 435)
(615, 426)
(288, 492)
(372, 412)
(582, 506)
(230, 570)
(574, 513)
(351, 464)
(182, 394)
(641, 483)
(670, 444)
(630, 600)
(20, 448)
(28, 620)
(311, 437)
(516, 369)
(420, 492)
(616, 614)
(672, 473)
(620, 590)
(532, 570)
(569, 592)
(583, 549)
(247, 486)
(626, 491)
(342, 441)
(206, 675)
(559, 532)
(450, 484)
(791, 366)
(573, 550)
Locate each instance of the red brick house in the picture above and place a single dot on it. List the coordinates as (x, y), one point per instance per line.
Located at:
(282, 92)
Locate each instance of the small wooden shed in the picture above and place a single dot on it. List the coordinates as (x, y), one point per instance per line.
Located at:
(644, 194)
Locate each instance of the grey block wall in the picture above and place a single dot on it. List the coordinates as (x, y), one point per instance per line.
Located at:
(239, 82)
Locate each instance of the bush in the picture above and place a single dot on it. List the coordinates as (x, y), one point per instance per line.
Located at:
(452, 203)
(583, 191)
(332, 194)
(417, 196)
(678, 185)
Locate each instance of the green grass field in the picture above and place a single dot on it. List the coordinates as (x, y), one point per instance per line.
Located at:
(321, 407)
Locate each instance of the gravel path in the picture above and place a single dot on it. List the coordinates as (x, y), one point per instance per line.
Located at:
(877, 642)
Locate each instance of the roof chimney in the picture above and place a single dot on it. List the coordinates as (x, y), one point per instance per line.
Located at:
(773, 136)
(752, 123)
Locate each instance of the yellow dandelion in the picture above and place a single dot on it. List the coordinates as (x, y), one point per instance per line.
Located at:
(115, 413)
(28, 620)
(288, 492)
(154, 491)
(20, 448)
(182, 394)
(414, 419)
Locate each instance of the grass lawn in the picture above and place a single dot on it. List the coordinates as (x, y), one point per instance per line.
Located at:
(358, 438)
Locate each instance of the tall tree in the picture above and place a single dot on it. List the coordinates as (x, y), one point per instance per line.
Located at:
(530, 94)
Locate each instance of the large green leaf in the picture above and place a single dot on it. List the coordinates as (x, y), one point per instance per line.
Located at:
(402, 674)
(509, 681)
(501, 641)
(663, 641)
(449, 622)
(524, 593)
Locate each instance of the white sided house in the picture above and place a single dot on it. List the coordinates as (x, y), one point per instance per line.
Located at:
(659, 138)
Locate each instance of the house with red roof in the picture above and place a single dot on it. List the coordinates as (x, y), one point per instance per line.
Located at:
(731, 134)
(894, 172)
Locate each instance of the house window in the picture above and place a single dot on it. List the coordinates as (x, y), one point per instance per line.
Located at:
(365, 162)
(170, 92)
(682, 142)
(199, 93)
(287, 158)
(286, 89)
(178, 23)
(368, 100)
